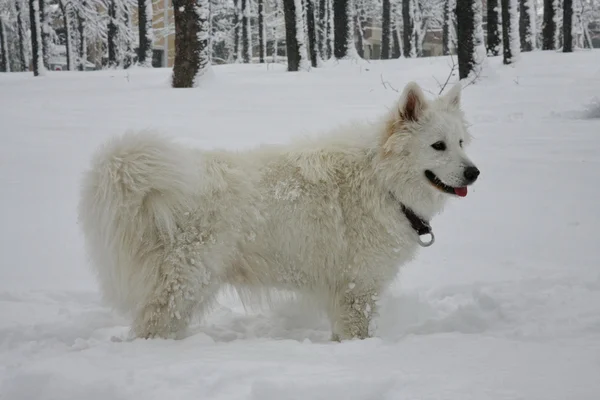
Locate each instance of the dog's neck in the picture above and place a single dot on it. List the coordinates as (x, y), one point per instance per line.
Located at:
(424, 202)
(420, 225)
(415, 194)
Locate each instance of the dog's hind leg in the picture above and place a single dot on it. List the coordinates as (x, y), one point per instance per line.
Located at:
(181, 291)
(352, 312)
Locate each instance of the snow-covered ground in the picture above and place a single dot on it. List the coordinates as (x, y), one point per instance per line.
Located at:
(505, 305)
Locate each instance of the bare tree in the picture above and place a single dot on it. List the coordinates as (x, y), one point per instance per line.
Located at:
(396, 48)
(65, 8)
(21, 35)
(323, 23)
(4, 59)
(527, 25)
(294, 35)
(510, 31)
(192, 33)
(448, 27)
(493, 27)
(45, 30)
(246, 37)
(408, 28)
(36, 38)
(112, 34)
(469, 37)
(386, 29)
(311, 30)
(237, 37)
(548, 26)
(359, 26)
(82, 43)
(343, 27)
(262, 43)
(568, 26)
(146, 33)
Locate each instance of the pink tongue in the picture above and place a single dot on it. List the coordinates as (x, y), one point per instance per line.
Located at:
(461, 191)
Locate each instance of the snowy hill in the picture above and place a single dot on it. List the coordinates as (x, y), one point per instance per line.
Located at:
(505, 305)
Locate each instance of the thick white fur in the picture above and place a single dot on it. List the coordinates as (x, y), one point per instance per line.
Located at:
(166, 226)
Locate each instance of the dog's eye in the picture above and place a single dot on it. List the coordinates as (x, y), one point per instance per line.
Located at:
(439, 146)
(460, 142)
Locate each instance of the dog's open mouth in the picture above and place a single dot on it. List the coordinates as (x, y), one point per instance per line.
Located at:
(435, 181)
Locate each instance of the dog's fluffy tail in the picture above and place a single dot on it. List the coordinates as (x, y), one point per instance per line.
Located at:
(138, 187)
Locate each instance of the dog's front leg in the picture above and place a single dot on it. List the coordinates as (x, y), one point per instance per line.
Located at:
(352, 313)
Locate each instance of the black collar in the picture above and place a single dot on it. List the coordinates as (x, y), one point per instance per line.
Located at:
(420, 226)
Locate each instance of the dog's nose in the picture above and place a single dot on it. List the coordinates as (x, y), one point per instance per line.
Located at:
(471, 174)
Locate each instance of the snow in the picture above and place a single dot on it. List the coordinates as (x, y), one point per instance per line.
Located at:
(505, 305)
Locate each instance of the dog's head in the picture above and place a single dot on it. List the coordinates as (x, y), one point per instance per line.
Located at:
(428, 138)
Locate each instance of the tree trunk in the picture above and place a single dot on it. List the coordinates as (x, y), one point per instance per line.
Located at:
(295, 51)
(343, 29)
(557, 4)
(312, 34)
(465, 21)
(82, 42)
(322, 33)
(568, 26)
(396, 49)
(4, 62)
(36, 38)
(408, 28)
(479, 37)
(246, 39)
(22, 57)
(527, 25)
(112, 34)
(192, 33)
(128, 56)
(68, 34)
(386, 31)
(330, 29)
(44, 27)
(493, 32)
(261, 32)
(510, 31)
(417, 33)
(360, 46)
(548, 26)
(449, 11)
(275, 44)
(146, 34)
(587, 38)
(237, 48)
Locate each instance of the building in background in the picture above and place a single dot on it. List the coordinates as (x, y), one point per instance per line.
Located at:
(164, 33)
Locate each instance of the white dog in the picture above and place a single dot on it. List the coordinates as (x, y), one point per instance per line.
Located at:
(333, 218)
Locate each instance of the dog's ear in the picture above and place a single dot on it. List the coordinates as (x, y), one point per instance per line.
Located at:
(453, 95)
(412, 102)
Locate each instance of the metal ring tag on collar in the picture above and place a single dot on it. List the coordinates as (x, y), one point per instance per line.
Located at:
(426, 244)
